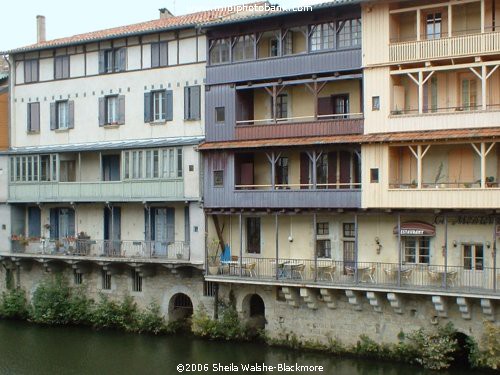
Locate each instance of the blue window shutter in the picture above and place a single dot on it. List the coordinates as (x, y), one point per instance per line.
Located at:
(170, 224)
(147, 107)
(186, 103)
(121, 109)
(169, 97)
(54, 223)
(53, 117)
(102, 111)
(195, 102)
(71, 114)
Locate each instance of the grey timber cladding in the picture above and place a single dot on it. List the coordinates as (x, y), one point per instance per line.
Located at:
(312, 63)
(226, 196)
(220, 96)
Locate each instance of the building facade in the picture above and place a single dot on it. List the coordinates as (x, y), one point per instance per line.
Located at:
(362, 179)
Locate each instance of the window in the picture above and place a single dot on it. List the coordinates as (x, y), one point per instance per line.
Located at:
(469, 94)
(62, 223)
(349, 230)
(33, 168)
(416, 250)
(158, 106)
(61, 67)
(473, 257)
(30, 71)
(62, 115)
(67, 170)
(220, 114)
(282, 171)
(322, 36)
(106, 280)
(273, 47)
(375, 103)
(153, 163)
(136, 281)
(218, 178)
(77, 278)
(324, 249)
(349, 33)
(209, 288)
(112, 110)
(282, 106)
(322, 171)
(340, 105)
(288, 43)
(192, 102)
(244, 48)
(112, 60)
(322, 229)
(253, 235)
(34, 222)
(159, 54)
(433, 29)
(219, 51)
(374, 175)
(33, 117)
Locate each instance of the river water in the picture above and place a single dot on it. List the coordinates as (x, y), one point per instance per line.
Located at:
(32, 349)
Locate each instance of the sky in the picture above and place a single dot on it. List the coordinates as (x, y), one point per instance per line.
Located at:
(66, 18)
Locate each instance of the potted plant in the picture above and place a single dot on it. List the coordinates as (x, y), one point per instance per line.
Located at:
(490, 182)
(213, 259)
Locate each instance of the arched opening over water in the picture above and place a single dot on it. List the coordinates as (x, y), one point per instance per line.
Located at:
(180, 307)
(255, 311)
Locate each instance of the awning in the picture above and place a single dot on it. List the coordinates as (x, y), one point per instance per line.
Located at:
(106, 145)
(416, 228)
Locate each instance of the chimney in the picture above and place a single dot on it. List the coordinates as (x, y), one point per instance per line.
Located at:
(40, 29)
(165, 13)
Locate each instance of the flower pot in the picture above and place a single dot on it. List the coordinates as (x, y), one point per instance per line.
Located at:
(213, 270)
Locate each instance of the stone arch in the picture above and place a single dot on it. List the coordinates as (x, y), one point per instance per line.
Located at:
(180, 307)
(253, 310)
(167, 305)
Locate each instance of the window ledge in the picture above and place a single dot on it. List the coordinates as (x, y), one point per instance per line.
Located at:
(158, 122)
(61, 130)
(111, 126)
(192, 119)
(33, 132)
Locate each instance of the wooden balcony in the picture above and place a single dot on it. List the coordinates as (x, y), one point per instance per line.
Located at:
(300, 127)
(100, 191)
(455, 46)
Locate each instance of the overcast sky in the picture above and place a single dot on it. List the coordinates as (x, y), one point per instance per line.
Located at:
(66, 18)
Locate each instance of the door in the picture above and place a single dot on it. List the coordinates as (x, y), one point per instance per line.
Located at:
(340, 105)
(473, 263)
(345, 169)
(163, 231)
(111, 167)
(348, 255)
(112, 231)
(325, 108)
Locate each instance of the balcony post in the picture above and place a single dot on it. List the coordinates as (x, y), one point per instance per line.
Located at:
(419, 166)
(483, 16)
(418, 25)
(450, 20)
(80, 167)
(494, 254)
(241, 243)
(356, 256)
(400, 255)
(276, 243)
(315, 247)
(420, 92)
(483, 165)
(445, 249)
(484, 82)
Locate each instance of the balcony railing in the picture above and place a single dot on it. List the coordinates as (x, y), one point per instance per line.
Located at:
(482, 280)
(334, 124)
(305, 187)
(455, 46)
(104, 248)
(133, 190)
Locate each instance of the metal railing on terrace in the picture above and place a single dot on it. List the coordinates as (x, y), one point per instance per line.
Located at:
(299, 119)
(305, 187)
(103, 248)
(449, 110)
(424, 277)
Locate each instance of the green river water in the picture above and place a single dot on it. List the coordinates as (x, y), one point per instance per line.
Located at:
(32, 349)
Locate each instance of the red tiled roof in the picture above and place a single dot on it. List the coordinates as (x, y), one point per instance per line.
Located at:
(400, 137)
(161, 24)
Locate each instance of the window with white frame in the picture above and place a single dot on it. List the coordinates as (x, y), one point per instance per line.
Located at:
(62, 109)
(323, 243)
(159, 107)
(112, 109)
(416, 250)
(219, 51)
(244, 48)
(33, 168)
(473, 256)
(152, 163)
(349, 33)
(322, 36)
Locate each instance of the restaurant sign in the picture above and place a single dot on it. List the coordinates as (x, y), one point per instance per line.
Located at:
(467, 219)
(416, 228)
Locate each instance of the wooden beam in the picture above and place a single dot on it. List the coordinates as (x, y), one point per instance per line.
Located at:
(218, 229)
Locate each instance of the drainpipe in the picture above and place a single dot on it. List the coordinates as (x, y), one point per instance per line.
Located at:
(399, 250)
(495, 254)
(356, 256)
(445, 251)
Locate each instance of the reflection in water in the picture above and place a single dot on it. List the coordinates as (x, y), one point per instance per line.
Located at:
(31, 349)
